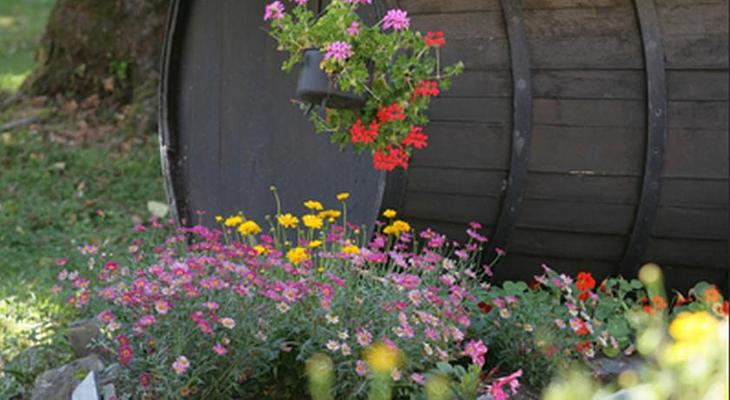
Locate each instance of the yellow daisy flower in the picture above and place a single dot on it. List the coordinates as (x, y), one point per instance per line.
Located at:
(288, 220)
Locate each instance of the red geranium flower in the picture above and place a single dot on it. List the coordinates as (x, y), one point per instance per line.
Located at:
(392, 112)
(435, 39)
(583, 346)
(388, 161)
(359, 134)
(427, 89)
(484, 307)
(416, 138)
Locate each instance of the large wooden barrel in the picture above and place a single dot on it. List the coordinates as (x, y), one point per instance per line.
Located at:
(588, 134)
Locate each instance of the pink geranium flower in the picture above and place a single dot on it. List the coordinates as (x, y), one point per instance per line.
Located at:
(354, 29)
(274, 11)
(396, 19)
(338, 51)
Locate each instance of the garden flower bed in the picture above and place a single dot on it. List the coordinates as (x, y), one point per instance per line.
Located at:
(249, 310)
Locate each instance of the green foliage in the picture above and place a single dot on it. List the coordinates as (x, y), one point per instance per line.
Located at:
(21, 25)
(555, 324)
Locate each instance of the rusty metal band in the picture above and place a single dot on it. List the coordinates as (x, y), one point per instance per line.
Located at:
(656, 111)
(521, 123)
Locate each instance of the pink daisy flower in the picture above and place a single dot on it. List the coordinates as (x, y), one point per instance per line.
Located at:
(181, 365)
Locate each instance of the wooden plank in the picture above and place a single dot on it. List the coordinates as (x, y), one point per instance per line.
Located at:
(566, 216)
(575, 150)
(676, 192)
(683, 278)
(692, 192)
(679, 222)
(589, 113)
(469, 182)
(198, 175)
(568, 245)
(696, 51)
(481, 83)
(701, 115)
(573, 22)
(697, 153)
(595, 84)
(591, 150)
(698, 114)
(593, 52)
(693, 19)
(698, 85)
(451, 6)
(671, 222)
(518, 266)
(538, 22)
(471, 110)
(706, 253)
(451, 208)
(466, 145)
(463, 25)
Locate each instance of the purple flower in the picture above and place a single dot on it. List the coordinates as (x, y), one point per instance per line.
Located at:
(301, 2)
(359, 1)
(396, 19)
(338, 51)
(274, 11)
(354, 29)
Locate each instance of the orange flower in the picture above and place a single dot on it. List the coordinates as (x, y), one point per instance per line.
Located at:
(659, 302)
(585, 282)
(712, 295)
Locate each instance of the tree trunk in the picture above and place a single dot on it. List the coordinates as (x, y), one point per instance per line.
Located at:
(109, 47)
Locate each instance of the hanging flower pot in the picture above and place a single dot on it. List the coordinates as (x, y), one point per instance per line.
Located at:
(317, 88)
(375, 82)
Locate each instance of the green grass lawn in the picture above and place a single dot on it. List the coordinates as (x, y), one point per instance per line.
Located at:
(53, 199)
(21, 26)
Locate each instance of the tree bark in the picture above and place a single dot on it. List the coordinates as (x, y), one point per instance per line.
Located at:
(105, 47)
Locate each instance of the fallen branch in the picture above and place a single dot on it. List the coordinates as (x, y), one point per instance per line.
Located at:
(19, 123)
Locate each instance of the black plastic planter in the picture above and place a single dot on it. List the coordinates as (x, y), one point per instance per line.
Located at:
(316, 88)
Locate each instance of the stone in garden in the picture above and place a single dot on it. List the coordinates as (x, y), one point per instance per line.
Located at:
(35, 358)
(643, 391)
(81, 334)
(59, 383)
(109, 392)
(86, 390)
(607, 369)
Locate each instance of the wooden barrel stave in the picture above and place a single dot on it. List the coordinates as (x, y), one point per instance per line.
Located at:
(595, 101)
(588, 150)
